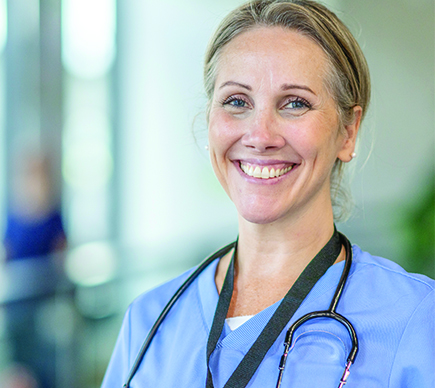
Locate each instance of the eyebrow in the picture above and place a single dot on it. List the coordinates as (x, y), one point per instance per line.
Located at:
(284, 87)
(233, 83)
(295, 86)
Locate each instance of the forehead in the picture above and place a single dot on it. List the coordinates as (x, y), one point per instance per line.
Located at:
(273, 53)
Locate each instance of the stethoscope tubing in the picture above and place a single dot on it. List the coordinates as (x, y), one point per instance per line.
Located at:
(344, 274)
(169, 306)
(330, 313)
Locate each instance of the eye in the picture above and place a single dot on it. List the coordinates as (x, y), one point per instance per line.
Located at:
(236, 104)
(296, 106)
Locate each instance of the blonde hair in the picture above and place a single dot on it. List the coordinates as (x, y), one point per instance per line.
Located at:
(348, 78)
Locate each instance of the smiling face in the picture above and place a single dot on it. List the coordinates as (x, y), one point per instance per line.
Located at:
(273, 126)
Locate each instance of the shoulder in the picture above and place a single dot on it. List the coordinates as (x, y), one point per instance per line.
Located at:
(388, 274)
(150, 304)
(403, 307)
(138, 321)
(392, 311)
(382, 293)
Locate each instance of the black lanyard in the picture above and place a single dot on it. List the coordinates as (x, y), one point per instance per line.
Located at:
(291, 302)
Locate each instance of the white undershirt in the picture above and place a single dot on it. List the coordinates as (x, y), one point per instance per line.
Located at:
(235, 322)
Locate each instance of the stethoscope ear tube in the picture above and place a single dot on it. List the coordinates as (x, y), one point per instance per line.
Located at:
(169, 305)
(319, 314)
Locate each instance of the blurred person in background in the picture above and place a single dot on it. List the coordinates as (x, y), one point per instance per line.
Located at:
(33, 239)
(288, 87)
(18, 377)
(34, 224)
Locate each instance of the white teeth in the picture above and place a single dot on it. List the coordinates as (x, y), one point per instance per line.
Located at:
(264, 172)
(257, 172)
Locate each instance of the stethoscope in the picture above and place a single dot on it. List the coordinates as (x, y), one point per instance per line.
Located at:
(330, 313)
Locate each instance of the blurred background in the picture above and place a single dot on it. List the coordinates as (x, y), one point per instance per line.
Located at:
(106, 189)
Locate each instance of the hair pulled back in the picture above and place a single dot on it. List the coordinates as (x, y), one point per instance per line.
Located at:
(348, 78)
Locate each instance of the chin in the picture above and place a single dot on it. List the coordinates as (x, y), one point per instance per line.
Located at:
(259, 216)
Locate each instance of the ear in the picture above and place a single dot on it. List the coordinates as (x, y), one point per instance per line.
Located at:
(351, 132)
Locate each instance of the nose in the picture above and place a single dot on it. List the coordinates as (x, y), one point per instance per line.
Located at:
(263, 133)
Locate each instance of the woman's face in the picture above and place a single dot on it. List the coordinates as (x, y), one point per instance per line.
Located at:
(273, 127)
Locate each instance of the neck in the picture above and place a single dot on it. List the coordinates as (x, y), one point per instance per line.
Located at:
(267, 250)
(270, 258)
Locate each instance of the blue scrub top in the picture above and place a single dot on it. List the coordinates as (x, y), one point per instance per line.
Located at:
(392, 312)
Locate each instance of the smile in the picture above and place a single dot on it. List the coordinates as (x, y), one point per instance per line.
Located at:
(264, 172)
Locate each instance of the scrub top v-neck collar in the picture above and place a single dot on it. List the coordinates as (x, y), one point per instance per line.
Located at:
(243, 337)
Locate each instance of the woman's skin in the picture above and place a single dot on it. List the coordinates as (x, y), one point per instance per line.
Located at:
(271, 109)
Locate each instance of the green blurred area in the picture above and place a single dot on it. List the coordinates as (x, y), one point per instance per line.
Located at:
(419, 229)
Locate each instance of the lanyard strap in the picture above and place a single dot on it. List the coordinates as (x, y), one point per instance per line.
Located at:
(291, 302)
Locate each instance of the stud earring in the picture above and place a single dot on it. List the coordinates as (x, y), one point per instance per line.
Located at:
(353, 155)
(206, 147)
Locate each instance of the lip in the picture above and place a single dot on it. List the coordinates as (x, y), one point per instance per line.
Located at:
(265, 163)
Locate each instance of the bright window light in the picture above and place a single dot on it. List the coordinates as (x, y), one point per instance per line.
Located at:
(87, 161)
(91, 264)
(3, 25)
(88, 36)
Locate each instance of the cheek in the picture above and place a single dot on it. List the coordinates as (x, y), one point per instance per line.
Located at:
(320, 136)
(222, 132)
(305, 139)
(219, 141)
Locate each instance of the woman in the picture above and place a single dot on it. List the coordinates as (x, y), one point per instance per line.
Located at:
(288, 87)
